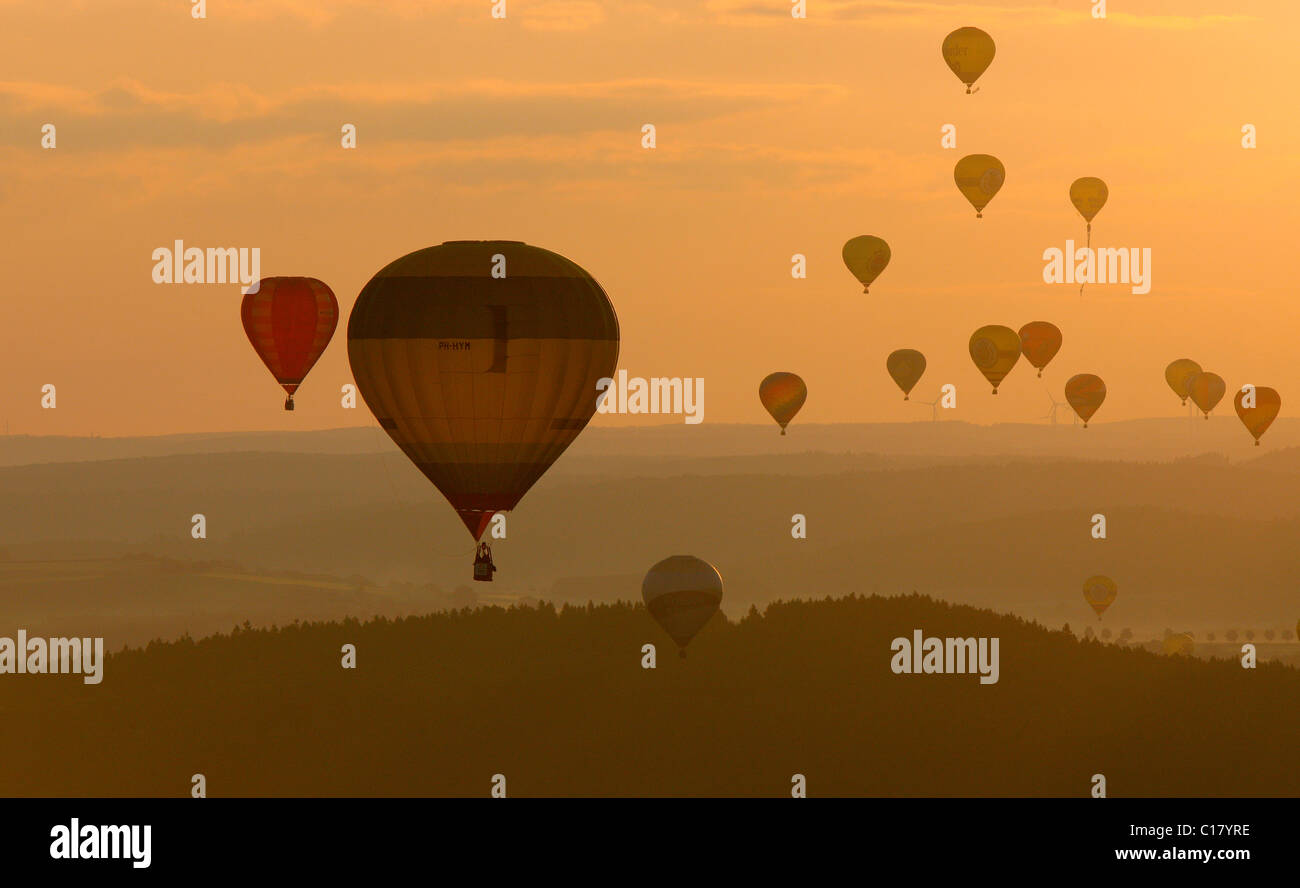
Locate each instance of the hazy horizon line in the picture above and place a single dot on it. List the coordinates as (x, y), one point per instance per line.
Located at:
(639, 427)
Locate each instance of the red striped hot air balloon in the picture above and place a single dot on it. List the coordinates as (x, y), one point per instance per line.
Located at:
(289, 320)
(481, 360)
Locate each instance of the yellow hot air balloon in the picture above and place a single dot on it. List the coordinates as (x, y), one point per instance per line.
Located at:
(1179, 376)
(1088, 196)
(979, 177)
(782, 394)
(1040, 341)
(1099, 592)
(1179, 644)
(1258, 417)
(905, 366)
(866, 256)
(968, 52)
(1206, 390)
(682, 593)
(1085, 392)
(995, 350)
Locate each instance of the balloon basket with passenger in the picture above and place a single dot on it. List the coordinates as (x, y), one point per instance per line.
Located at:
(483, 566)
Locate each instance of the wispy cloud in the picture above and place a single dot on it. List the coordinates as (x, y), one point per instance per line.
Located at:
(129, 114)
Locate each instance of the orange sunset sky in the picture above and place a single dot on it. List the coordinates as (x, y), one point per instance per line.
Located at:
(775, 137)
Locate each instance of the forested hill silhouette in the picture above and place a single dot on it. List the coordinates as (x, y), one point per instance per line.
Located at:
(558, 702)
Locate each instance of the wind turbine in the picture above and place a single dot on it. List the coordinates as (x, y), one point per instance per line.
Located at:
(1056, 404)
(934, 408)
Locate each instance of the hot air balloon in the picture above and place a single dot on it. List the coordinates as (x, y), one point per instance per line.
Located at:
(1088, 196)
(1099, 592)
(1085, 392)
(782, 394)
(995, 350)
(682, 593)
(905, 367)
(481, 360)
(866, 256)
(968, 52)
(1179, 644)
(289, 321)
(1206, 390)
(1039, 342)
(1179, 376)
(979, 177)
(1257, 418)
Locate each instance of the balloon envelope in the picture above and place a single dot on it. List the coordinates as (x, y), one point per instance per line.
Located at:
(682, 593)
(1040, 341)
(1258, 418)
(1179, 376)
(289, 321)
(979, 177)
(782, 394)
(905, 367)
(968, 52)
(995, 350)
(482, 381)
(1099, 592)
(1088, 196)
(1206, 390)
(1085, 392)
(866, 256)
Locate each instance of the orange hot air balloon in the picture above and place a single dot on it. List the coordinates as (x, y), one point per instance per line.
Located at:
(1085, 392)
(1206, 390)
(1099, 592)
(482, 360)
(1258, 417)
(1179, 376)
(782, 394)
(979, 177)
(289, 321)
(1040, 341)
(905, 367)
(995, 350)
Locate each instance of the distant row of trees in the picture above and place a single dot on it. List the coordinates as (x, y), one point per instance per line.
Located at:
(1250, 635)
(1230, 635)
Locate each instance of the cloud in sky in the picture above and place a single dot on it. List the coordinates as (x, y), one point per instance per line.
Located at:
(128, 114)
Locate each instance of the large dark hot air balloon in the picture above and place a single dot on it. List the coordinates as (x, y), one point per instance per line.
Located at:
(289, 320)
(480, 359)
(682, 593)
